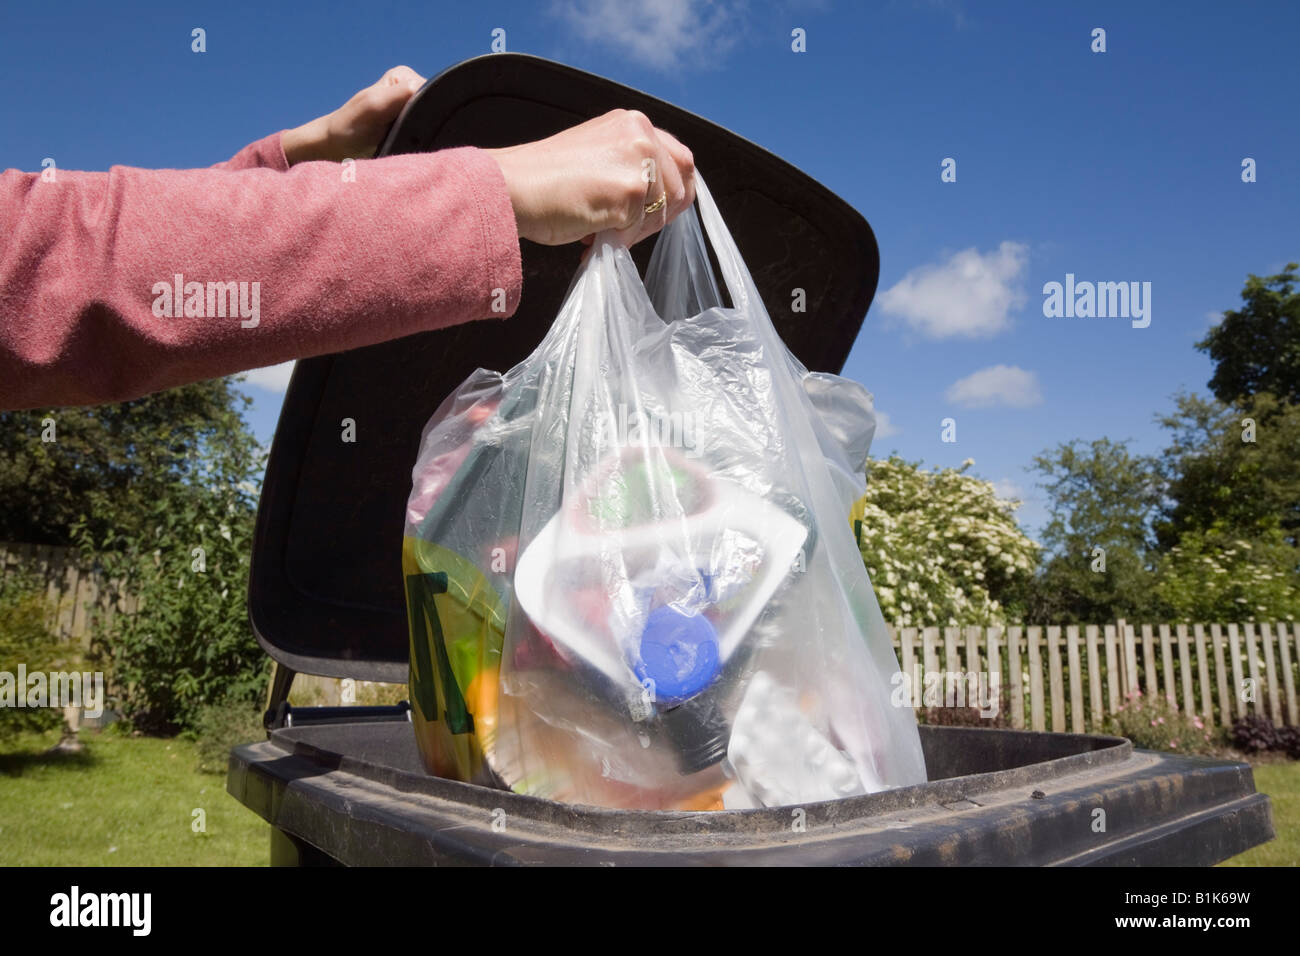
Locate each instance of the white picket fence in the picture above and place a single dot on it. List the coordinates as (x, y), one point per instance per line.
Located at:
(1071, 678)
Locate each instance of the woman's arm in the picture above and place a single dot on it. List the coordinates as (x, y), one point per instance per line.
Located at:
(272, 266)
(114, 285)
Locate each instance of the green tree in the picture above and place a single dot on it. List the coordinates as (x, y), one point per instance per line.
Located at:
(1229, 530)
(1231, 470)
(102, 465)
(1257, 348)
(183, 554)
(1102, 500)
(940, 546)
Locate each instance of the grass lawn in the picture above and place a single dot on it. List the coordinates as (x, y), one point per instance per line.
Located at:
(122, 801)
(1281, 781)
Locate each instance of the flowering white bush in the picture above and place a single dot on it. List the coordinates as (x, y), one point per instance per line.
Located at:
(1215, 576)
(940, 547)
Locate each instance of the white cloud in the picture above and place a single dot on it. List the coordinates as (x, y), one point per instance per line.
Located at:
(969, 296)
(273, 378)
(1008, 490)
(884, 427)
(664, 34)
(1007, 385)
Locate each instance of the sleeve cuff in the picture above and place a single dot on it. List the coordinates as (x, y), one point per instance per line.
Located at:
(501, 257)
(266, 153)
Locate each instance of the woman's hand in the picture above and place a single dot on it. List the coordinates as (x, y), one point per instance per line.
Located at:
(356, 129)
(601, 174)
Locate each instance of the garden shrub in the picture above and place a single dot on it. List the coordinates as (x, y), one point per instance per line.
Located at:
(219, 727)
(1151, 724)
(1255, 734)
(26, 638)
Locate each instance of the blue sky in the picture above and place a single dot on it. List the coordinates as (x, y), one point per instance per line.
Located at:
(1122, 166)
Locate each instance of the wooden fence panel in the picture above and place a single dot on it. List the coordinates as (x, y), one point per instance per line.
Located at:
(931, 649)
(1038, 716)
(1151, 688)
(1270, 672)
(1234, 647)
(73, 592)
(1203, 672)
(1016, 675)
(1097, 712)
(994, 639)
(1076, 678)
(907, 641)
(951, 661)
(1090, 670)
(1185, 670)
(1288, 680)
(973, 664)
(1054, 676)
(1113, 669)
(1221, 674)
(1167, 665)
(1252, 666)
(1130, 655)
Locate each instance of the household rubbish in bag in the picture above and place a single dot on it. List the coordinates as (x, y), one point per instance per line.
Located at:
(631, 580)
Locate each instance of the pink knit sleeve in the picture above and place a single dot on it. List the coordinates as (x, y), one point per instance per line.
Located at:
(114, 285)
(267, 153)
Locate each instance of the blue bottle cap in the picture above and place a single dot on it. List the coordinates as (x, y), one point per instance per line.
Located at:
(679, 652)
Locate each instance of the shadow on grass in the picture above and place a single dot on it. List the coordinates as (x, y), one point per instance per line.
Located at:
(15, 763)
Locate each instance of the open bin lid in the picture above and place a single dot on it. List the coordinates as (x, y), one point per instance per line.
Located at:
(325, 592)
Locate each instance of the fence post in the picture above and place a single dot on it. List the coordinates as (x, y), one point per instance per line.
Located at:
(1284, 646)
(1016, 674)
(907, 650)
(1203, 671)
(1221, 675)
(1037, 716)
(1151, 684)
(951, 660)
(1130, 655)
(1113, 668)
(1185, 670)
(930, 650)
(1270, 671)
(1234, 647)
(973, 650)
(1054, 675)
(1252, 663)
(992, 634)
(1094, 678)
(1167, 660)
(1076, 678)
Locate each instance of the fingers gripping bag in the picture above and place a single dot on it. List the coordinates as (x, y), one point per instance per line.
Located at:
(631, 580)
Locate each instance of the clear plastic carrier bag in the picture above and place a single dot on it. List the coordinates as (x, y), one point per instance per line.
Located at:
(630, 576)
